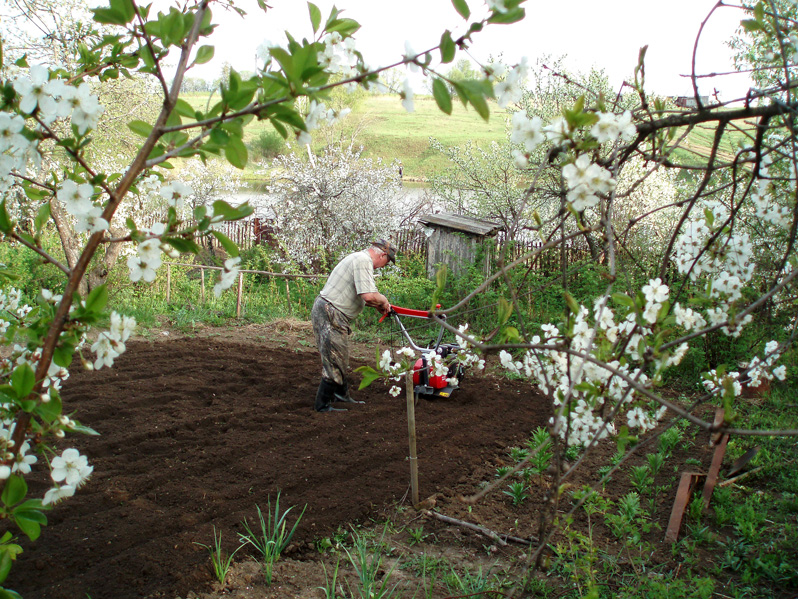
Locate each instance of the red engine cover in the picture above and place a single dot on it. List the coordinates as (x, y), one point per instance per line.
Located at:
(436, 382)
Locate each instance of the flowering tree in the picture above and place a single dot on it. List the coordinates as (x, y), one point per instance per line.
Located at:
(54, 103)
(338, 201)
(714, 255)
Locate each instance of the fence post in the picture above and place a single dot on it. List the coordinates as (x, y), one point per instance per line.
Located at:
(240, 293)
(288, 297)
(168, 283)
(202, 284)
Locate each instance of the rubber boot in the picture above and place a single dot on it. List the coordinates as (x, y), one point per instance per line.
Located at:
(324, 397)
(342, 394)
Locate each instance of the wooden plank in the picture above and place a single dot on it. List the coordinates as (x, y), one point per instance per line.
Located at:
(714, 469)
(686, 485)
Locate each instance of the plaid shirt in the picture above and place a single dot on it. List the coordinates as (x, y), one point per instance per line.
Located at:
(352, 276)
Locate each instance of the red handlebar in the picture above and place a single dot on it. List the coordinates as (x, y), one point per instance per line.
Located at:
(409, 312)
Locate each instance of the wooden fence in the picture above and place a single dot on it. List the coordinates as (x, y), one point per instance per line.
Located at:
(412, 241)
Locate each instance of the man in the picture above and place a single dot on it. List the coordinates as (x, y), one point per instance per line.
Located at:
(350, 287)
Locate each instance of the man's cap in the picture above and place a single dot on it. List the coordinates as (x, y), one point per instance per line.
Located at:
(387, 247)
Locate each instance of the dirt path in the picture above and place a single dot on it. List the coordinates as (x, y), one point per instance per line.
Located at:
(196, 431)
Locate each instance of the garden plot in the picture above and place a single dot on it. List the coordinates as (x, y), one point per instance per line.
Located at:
(194, 432)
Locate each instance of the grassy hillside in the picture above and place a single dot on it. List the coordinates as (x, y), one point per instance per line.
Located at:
(386, 130)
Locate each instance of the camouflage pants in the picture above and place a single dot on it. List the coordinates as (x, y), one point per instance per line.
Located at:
(331, 327)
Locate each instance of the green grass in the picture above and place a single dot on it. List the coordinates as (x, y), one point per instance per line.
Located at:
(695, 150)
(389, 132)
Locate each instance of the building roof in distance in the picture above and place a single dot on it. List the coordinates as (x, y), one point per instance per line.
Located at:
(460, 223)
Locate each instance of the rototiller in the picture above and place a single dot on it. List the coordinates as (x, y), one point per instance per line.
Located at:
(425, 383)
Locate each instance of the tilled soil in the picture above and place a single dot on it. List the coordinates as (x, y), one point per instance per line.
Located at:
(195, 432)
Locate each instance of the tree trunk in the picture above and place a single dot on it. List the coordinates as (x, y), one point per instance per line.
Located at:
(99, 274)
(69, 241)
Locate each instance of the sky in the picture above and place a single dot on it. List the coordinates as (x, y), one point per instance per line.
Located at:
(606, 34)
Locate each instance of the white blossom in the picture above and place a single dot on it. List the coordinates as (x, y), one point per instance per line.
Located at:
(71, 467)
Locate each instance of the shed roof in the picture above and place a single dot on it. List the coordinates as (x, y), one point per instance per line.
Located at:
(460, 223)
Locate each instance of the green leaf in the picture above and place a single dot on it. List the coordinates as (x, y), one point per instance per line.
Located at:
(759, 11)
(109, 16)
(185, 109)
(346, 27)
(85, 430)
(184, 246)
(23, 380)
(448, 47)
(62, 355)
(97, 299)
(230, 213)
(140, 128)
(369, 376)
(510, 16)
(42, 216)
(505, 311)
(28, 524)
(623, 300)
(442, 97)
(462, 8)
(204, 54)
(236, 152)
(751, 25)
(15, 490)
(5, 219)
(228, 244)
(315, 16)
(124, 8)
(573, 306)
(9, 594)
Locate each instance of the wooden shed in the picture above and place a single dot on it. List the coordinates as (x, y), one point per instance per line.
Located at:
(453, 239)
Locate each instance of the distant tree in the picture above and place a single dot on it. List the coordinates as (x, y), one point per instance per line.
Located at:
(334, 202)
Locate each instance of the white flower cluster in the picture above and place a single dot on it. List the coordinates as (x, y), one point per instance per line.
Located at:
(730, 252)
(511, 88)
(585, 385)
(585, 181)
(22, 460)
(69, 471)
(528, 132)
(50, 99)
(759, 369)
(145, 264)
(765, 205)
(228, 276)
(175, 193)
(396, 370)
(56, 375)
(110, 344)
(339, 55)
(77, 199)
(318, 114)
(10, 302)
(15, 149)
(56, 99)
(656, 293)
(610, 127)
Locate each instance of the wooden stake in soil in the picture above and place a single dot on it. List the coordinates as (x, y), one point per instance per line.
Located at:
(411, 431)
(240, 293)
(202, 285)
